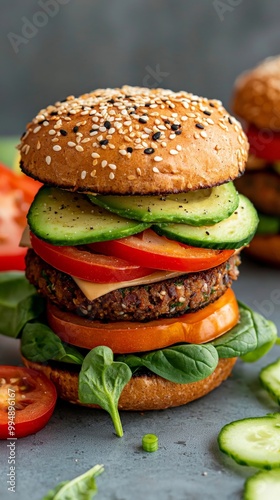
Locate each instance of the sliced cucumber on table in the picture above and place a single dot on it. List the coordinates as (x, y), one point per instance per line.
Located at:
(233, 232)
(64, 218)
(197, 208)
(253, 441)
(270, 379)
(265, 485)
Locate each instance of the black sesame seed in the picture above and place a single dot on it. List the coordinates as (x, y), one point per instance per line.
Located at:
(178, 132)
(53, 113)
(40, 122)
(207, 113)
(147, 105)
(75, 129)
(63, 132)
(230, 120)
(207, 232)
(198, 125)
(111, 101)
(142, 120)
(156, 136)
(211, 104)
(175, 127)
(104, 142)
(107, 124)
(167, 121)
(129, 149)
(149, 151)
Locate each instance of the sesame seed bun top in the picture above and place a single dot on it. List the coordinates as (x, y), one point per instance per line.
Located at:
(134, 141)
(256, 96)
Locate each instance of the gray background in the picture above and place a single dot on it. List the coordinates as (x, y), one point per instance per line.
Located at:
(199, 45)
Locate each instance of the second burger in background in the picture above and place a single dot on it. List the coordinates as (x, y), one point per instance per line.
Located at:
(257, 101)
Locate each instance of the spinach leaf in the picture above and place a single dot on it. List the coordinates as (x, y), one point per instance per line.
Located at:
(181, 364)
(81, 488)
(101, 381)
(39, 343)
(250, 335)
(19, 303)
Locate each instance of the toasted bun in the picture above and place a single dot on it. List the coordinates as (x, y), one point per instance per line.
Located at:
(134, 141)
(143, 392)
(257, 95)
(265, 249)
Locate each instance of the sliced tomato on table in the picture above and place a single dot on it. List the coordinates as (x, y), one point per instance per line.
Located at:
(128, 337)
(82, 263)
(16, 194)
(264, 143)
(158, 252)
(27, 401)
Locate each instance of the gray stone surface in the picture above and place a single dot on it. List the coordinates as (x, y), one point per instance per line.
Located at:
(188, 464)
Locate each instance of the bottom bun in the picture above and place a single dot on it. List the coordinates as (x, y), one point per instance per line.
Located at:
(146, 392)
(265, 249)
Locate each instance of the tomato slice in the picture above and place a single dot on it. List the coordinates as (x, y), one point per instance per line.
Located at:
(27, 401)
(264, 143)
(127, 337)
(16, 193)
(158, 252)
(85, 264)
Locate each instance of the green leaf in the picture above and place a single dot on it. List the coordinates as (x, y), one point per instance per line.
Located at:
(101, 381)
(181, 364)
(19, 303)
(40, 344)
(252, 334)
(81, 488)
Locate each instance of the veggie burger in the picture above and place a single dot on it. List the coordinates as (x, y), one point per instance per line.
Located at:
(257, 101)
(135, 241)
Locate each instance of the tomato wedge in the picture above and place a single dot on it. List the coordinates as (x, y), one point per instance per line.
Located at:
(127, 337)
(16, 193)
(85, 264)
(157, 252)
(264, 143)
(27, 401)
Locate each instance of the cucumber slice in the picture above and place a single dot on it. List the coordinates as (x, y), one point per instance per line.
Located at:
(234, 232)
(253, 441)
(197, 208)
(270, 379)
(64, 218)
(265, 485)
(268, 224)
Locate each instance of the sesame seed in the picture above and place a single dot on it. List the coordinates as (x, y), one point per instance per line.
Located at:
(83, 174)
(111, 175)
(182, 299)
(103, 142)
(175, 127)
(123, 152)
(178, 147)
(79, 148)
(178, 132)
(138, 170)
(48, 160)
(92, 174)
(184, 118)
(131, 177)
(112, 166)
(143, 119)
(57, 148)
(36, 129)
(52, 132)
(104, 163)
(71, 144)
(173, 152)
(129, 150)
(102, 129)
(75, 129)
(208, 113)
(112, 130)
(198, 125)
(156, 136)
(172, 136)
(203, 134)
(157, 158)
(38, 145)
(107, 124)
(149, 151)
(46, 123)
(156, 170)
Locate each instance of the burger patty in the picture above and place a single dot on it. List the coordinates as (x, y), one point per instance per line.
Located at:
(165, 299)
(263, 189)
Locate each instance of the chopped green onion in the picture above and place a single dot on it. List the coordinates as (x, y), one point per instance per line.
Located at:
(150, 442)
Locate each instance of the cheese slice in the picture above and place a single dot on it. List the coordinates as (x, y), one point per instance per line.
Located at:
(94, 290)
